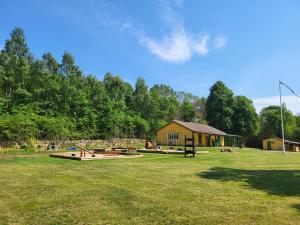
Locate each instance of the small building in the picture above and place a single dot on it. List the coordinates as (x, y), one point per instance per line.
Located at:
(276, 144)
(175, 132)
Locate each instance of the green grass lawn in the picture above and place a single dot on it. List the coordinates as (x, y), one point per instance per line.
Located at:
(247, 187)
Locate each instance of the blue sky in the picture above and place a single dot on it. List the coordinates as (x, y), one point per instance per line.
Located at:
(188, 44)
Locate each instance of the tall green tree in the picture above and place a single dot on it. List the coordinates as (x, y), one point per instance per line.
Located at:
(297, 131)
(164, 102)
(200, 110)
(141, 97)
(244, 119)
(50, 62)
(15, 60)
(16, 45)
(270, 122)
(219, 107)
(187, 111)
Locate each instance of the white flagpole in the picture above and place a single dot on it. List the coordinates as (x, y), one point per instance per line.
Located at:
(282, 127)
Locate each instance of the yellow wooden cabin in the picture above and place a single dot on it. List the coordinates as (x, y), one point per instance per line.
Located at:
(276, 144)
(175, 132)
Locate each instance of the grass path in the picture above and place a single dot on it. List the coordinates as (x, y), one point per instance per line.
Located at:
(247, 187)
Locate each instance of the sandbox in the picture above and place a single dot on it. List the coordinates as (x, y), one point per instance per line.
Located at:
(76, 156)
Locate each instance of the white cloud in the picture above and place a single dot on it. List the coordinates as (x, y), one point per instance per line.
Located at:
(220, 41)
(178, 45)
(200, 46)
(169, 16)
(174, 47)
(292, 103)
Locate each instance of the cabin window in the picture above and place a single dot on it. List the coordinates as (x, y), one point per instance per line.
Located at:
(173, 136)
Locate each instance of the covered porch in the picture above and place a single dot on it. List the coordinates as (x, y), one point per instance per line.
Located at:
(223, 140)
(233, 140)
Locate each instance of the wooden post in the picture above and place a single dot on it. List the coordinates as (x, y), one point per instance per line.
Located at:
(83, 151)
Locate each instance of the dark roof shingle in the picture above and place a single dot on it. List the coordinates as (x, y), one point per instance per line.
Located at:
(285, 141)
(200, 128)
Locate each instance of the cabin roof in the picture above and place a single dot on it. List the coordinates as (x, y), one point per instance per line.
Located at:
(285, 141)
(200, 128)
(291, 142)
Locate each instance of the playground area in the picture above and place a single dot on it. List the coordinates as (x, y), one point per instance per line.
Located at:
(123, 152)
(108, 149)
(98, 154)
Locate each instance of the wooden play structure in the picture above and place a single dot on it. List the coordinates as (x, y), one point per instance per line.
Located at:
(189, 146)
(84, 150)
(150, 145)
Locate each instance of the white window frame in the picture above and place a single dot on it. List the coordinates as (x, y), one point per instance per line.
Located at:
(173, 135)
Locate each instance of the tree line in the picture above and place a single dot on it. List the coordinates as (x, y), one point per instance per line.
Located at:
(237, 115)
(45, 99)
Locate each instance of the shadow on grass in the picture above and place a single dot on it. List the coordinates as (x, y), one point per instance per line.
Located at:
(276, 182)
(297, 206)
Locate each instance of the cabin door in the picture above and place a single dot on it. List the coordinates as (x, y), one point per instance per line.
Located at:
(173, 138)
(269, 145)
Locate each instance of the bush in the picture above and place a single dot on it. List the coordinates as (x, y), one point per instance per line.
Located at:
(17, 127)
(23, 127)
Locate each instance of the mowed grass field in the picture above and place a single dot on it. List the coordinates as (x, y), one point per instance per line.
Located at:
(246, 187)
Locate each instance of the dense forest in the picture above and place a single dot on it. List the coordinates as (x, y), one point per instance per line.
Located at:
(49, 99)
